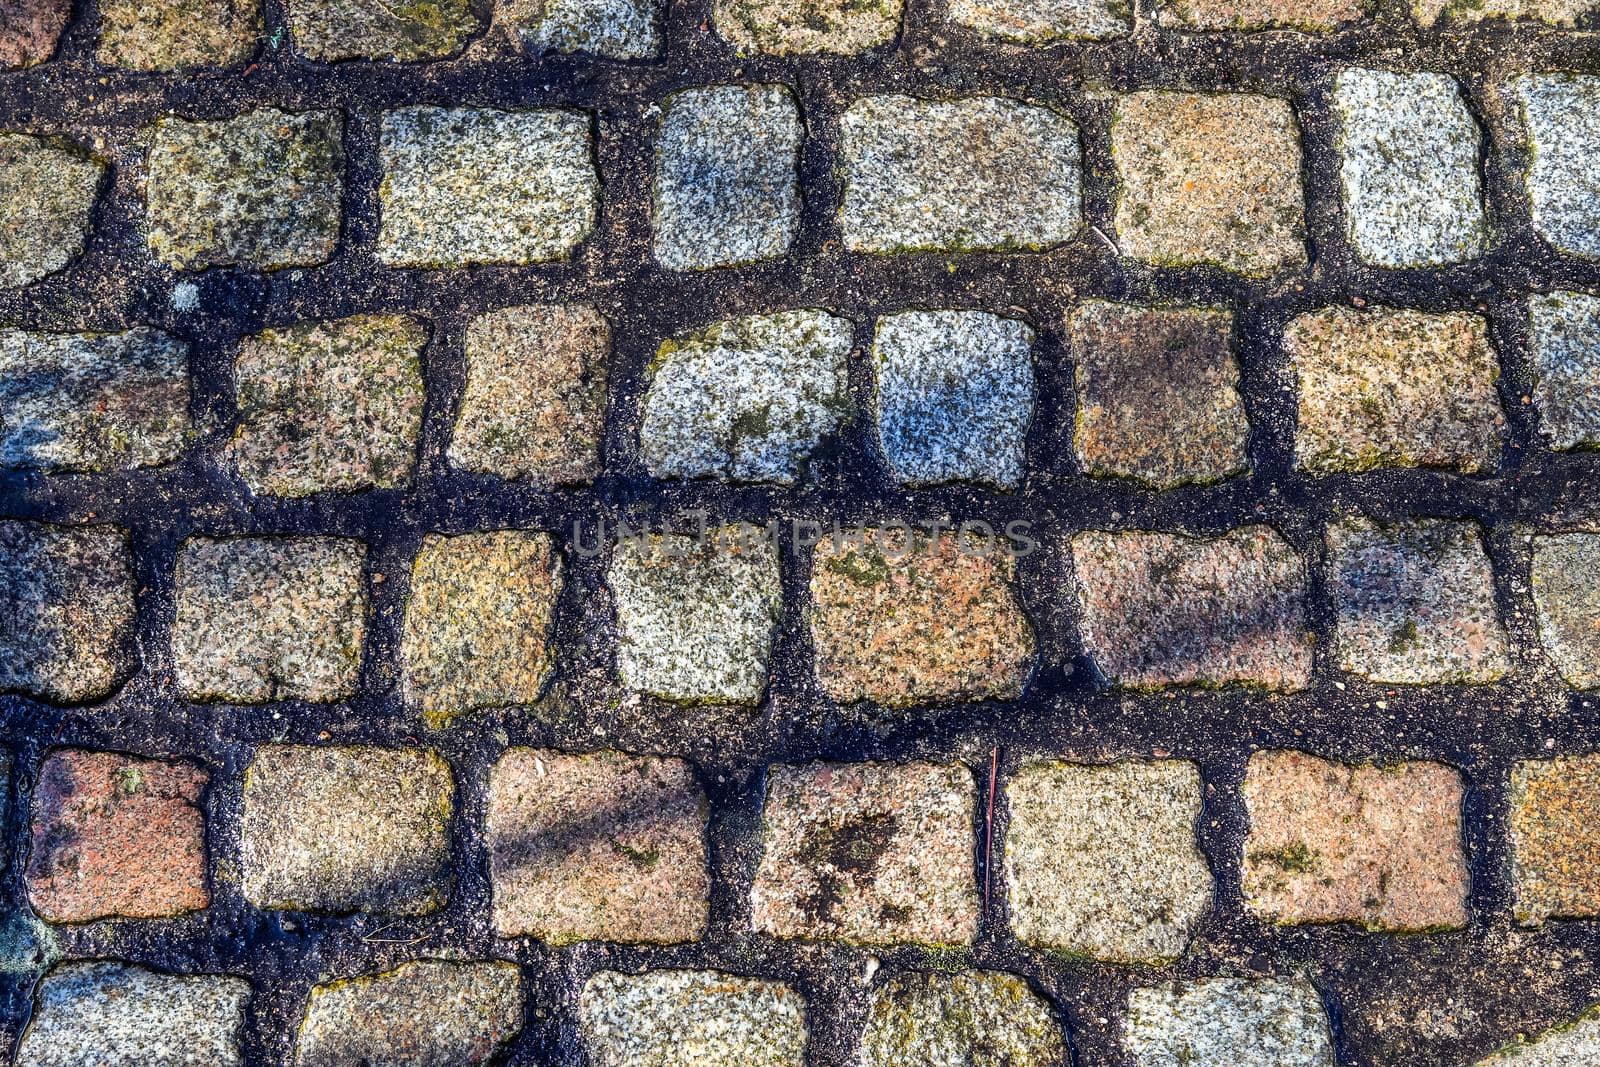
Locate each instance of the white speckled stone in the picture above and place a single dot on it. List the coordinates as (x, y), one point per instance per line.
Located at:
(614, 29)
(727, 189)
(980, 174)
(968, 1019)
(1236, 1022)
(1572, 1044)
(47, 194)
(475, 185)
(1566, 368)
(1561, 116)
(1409, 166)
(696, 623)
(747, 399)
(1566, 596)
(954, 396)
(801, 27)
(118, 1015)
(1036, 21)
(691, 1019)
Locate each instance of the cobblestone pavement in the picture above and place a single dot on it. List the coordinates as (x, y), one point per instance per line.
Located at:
(1179, 418)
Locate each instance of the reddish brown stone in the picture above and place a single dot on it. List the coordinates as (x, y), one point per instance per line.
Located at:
(116, 835)
(29, 30)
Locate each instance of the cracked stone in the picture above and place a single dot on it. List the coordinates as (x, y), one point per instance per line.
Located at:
(1158, 394)
(121, 1015)
(966, 1019)
(747, 399)
(116, 836)
(473, 185)
(91, 401)
(1565, 576)
(329, 407)
(1567, 1045)
(330, 30)
(425, 1013)
(263, 619)
(980, 174)
(66, 610)
(695, 621)
(1306, 16)
(1561, 117)
(727, 187)
(954, 396)
(167, 35)
(1566, 368)
(47, 196)
(1101, 861)
(799, 27)
(1387, 387)
(1409, 167)
(30, 30)
(673, 1018)
(1555, 838)
(597, 847)
(1242, 1022)
(902, 622)
(1414, 602)
(1209, 179)
(261, 190)
(346, 829)
(1161, 609)
(613, 29)
(1377, 846)
(478, 623)
(868, 854)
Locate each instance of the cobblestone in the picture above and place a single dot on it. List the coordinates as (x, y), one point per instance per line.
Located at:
(263, 619)
(1561, 117)
(330, 30)
(345, 829)
(1565, 576)
(692, 1019)
(1037, 21)
(981, 174)
(1555, 838)
(30, 30)
(614, 29)
(1238, 1021)
(1566, 368)
(1394, 388)
(967, 1019)
(167, 35)
(116, 836)
(48, 191)
(1307, 16)
(600, 846)
(1158, 394)
(1377, 846)
(1102, 861)
(867, 853)
(1569, 1043)
(92, 402)
(727, 187)
(1161, 609)
(1414, 602)
(799, 27)
(1456, 13)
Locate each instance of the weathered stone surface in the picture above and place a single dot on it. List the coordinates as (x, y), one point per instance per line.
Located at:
(747, 399)
(1386, 387)
(92, 402)
(967, 1019)
(867, 853)
(597, 847)
(163, 35)
(1566, 368)
(1242, 1022)
(119, 1015)
(329, 407)
(796, 27)
(1563, 13)
(1409, 167)
(478, 624)
(1101, 861)
(1567, 1045)
(1209, 178)
(474, 185)
(331, 30)
(954, 396)
(426, 1013)
(1331, 842)
(1163, 609)
(1555, 838)
(275, 618)
(695, 621)
(980, 174)
(47, 195)
(261, 190)
(1037, 21)
(901, 621)
(614, 29)
(727, 187)
(1158, 394)
(1561, 118)
(534, 406)
(346, 828)
(30, 29)
(116, 836)
(1307, 16)
(66, 610)
(691, 1019)
(1566, 597)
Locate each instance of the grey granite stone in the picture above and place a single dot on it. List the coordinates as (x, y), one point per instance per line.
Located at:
(965, 1019)
(47, 195)
(1039, 21)
(330, 30)
(1561, 117)
(168, 35)
(1461, 14)
(798, 27)
(1570, 1044)
(1240, 1022)
(691, 1019)
(1566, 368)
(1566, 597)
(727, 186)
(613, 29)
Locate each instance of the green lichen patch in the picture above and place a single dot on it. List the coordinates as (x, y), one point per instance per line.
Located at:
(403, 31)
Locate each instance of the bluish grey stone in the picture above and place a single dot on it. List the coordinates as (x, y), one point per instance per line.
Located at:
(1561, 116)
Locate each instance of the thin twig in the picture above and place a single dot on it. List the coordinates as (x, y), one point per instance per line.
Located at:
(1098, 232)
(988, 827)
